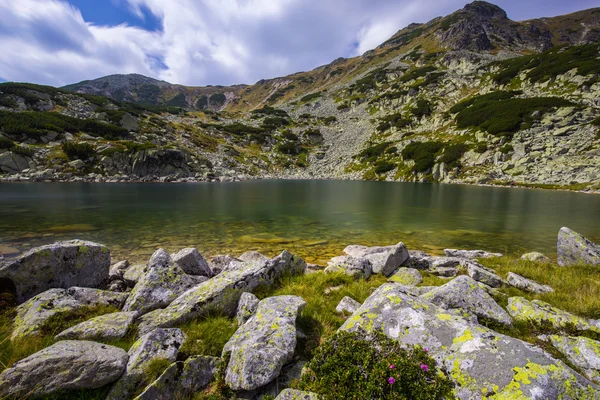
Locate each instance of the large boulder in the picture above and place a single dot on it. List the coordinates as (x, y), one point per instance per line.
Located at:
(347, 304)
(355, 267)
(293, 394)
(527, 285)
(259, 348)
(478, 359)
(182, 379)
(66, 365)
(582, 352)
(105, 327)
(574, 249)
(384, 259)
(35, 312)
(221, 293)
(223, 263)
(246, 307)
(58, 265)
(160, 344)
(162, 282)
(483, 274)
(463, 293)
(191, 262)
(470, 254)
(407, 276)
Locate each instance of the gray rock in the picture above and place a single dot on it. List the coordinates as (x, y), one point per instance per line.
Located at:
(384, 260)
(58, 265)
(35, 312)
(182, 379)
(105, 327)
(470, 254)
(407, 276)
(254, 257)
(355, 267)
(158, 344)
(162, 282)
(66, 365)
(417, 259)
(222, 263)
(444, 262)
(464, 293)
(537, 257)
(484, 275)
(446, 272)
(347, 304)
(574, 249)
(133, 274)
(246, 307)
(117, 270)
(259, 349)
(221, 293)
(527, 285)
(477, 359)
(293, 394)
(582, 352)
(191, 262)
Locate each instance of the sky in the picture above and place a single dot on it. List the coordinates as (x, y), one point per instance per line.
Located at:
(210, 42)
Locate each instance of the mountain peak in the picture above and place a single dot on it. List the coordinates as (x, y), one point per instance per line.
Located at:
(485, 9)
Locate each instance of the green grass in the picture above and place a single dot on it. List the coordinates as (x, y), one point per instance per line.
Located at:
(207, 336)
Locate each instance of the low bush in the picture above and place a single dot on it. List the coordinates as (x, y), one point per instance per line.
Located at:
(23, 151)
(481, 148)
(507, 148)
(373, 152)
(371, 80)
(422, 108)
(453, 153)
(423, 154)
(384, 166)
(272, 123)
(289, 135)
(310, 97)
(268, 110)
(81, 151)
(417, 73)
(289, 148)
(6, 143)
(351, 366)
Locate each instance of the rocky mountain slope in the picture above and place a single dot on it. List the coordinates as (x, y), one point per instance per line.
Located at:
(469, 98)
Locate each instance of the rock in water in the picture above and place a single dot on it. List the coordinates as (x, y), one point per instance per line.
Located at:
(158, 344)
(293, 394)
(58, 265)
(583, 352)
(191, 262)
(574, 249)
(347, 304)
(384, 260)
(182, 379)
(246, 307)
(355, 267)
(527, 284)
(464, 293)
(261, 346)
(470, 254)
(105, 327)
(478, 359)
(407, 276)
(221, 293)
(66, 365)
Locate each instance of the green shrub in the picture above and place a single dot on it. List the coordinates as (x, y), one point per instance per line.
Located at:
(507, 148)
(217, 99)
(81, 151)
(423, 108)
(289, 135)
(453, 153)
(596, 122)
(343, 106)
(384, 166)
(481, 148)
(202, 102)
(498, 95)
(6, 143)
(423, 154)
(178, 101)
(289, 148)
(372, 153)
(310, 97)
(7, 102)
(370, 80)
(268, 110)
(329, 120)
(272, 123)
(134, 147)
(23, 151)
(348, 366)
(416, 73)
(394, 120)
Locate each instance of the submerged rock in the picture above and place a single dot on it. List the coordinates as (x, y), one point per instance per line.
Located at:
(407, 276)
(59, 265)
(191, 262)
(347, 304)
(527, 285)
(246, 307)
(583, 352)
(66, 365)
(574, 249)
(105, 327)
(293, 394)
(470, 254)
(355, 267)
(384, 260)
(536, 257)
(478, 359)
(259, 348)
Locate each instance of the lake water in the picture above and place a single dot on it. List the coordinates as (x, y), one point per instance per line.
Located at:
(315, 219)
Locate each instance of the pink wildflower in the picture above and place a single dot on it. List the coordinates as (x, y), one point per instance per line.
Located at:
(425, 349)
(392, 366)
(391, 381)
(425, 367)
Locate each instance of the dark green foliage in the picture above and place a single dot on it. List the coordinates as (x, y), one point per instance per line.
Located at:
(6, 143)
(272, 123)
(268, 110)
(453, 153)
(393, 94)
(310, 97)
(396, 120)
(279, 93)
(218, 99)
(289, 148)
(148, 91)
(289, 135)
(503, 117)
(23, 151)
(499, 95)
(549, 64)
(481, 148)
(391, 150)
(329, 120)
(383, 166)
(349, 366)
(343, 106)
(25, 90)
(596, 122)
(423, 154)
(81, 151)
(134, 147)
(305, 116)
(7, 102)
(507, 148)
(423, 108)
(416, 73)
(202, 103)
(430, 79)
(178, 101)
(240, 129)
(372, 153)
(114, 116)
(371, 80)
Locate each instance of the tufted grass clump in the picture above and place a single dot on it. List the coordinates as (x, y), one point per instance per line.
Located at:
(352, 366)
(208, 335)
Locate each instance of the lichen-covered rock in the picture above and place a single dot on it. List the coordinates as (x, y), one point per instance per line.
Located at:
(470, 254)
(117, 269)
(162, 282)
(66, 365)
(574, 249)
(191, 262)
(223, 263)
(536, 257)
(59, 265)
(417, 259)
(527, 285)
(407, 276)
(478, 359)
(444, 262)
(445, 272)
(582, 352)
(483, 275)
(133, 274)
(355, 267)
(384, 260)
(463, 293)
(347, 304)
(259, 348)
(246, 307)
(105, 327)
(522, 309)
(254, 257)
(158, 344)
(222, 292)
(293, 394)
(35, 312)
(182, 379)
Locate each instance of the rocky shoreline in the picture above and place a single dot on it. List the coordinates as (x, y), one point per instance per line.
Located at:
(459, 322)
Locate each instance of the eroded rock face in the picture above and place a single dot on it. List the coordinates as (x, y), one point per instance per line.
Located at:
(58, 265)
(583, 352)
(574, 249)
(478, 359)
(158, 344)
(470, 254)
(222, 292)
(66, 365)
(293, 394)
(264, 344)
(407, 276)
(355, 267)
(246, 307)
(527, 285)
(191, 262)
(105, 327)
(384, 260)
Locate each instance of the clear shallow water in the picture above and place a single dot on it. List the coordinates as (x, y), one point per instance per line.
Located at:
(315, 219)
